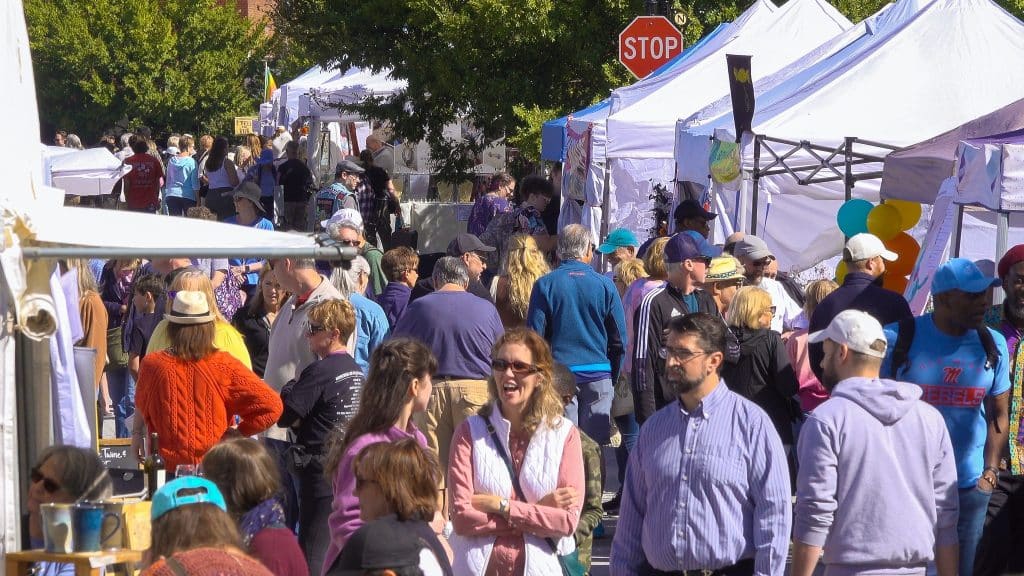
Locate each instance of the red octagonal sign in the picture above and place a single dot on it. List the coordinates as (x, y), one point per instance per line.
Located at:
(647, 43)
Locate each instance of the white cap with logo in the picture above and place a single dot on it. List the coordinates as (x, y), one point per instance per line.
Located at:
(863, 246)
(858, 330)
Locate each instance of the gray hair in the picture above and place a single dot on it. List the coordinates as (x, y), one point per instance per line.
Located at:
(450, 270)
(125, 140)
(334, 228)
(347, 281)
(574, 242)
(83, 475)
(73, 141)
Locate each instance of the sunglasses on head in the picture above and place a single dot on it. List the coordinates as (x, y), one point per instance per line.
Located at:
(518, 367)
(50, 485)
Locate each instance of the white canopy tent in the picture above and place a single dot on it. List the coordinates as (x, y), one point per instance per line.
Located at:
(352, 87)
(285, 99)
(92, 172)
(916, 78)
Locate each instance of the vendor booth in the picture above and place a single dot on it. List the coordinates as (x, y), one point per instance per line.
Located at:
(92, 172)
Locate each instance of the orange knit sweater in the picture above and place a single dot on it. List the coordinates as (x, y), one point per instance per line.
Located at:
(191, 404)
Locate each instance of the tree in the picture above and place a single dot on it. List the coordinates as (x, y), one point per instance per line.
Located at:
(167, 64)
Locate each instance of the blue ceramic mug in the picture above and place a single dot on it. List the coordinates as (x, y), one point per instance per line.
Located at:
(87, 519)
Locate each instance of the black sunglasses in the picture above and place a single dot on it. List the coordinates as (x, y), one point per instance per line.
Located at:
(50, 485)
(349, 242)
(518, 367)
(314, 328)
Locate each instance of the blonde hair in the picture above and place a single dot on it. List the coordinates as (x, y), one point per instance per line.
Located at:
(86, 281)
(545, 404)
(747, 307)
(524, 264)
(196, 280)
(243, 151)
(630, 270)
(816, 292)
(654, 259)
(334, 314)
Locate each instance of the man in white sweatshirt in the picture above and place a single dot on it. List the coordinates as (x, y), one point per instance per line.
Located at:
(877, 485)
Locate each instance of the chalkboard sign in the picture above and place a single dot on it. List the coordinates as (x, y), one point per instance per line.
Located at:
(117, 454)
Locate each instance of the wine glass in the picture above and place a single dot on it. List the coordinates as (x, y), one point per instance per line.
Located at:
(183, 470)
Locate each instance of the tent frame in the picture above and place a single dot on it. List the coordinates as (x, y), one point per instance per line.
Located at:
(834, 163)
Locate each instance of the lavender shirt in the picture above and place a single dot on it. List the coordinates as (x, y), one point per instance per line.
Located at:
(344, 519)
(705, 490)
(484, 210)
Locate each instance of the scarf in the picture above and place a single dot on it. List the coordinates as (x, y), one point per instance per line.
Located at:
(266, 514)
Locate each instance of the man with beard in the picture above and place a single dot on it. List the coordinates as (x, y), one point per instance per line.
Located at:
(865, 258)
(707, 487)
(963, 368)
(1004, 523)
(849, 449)
(755, 256)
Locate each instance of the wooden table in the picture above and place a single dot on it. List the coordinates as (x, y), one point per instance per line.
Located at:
(86, 563)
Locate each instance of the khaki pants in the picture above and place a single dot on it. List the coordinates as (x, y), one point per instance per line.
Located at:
(451, 402)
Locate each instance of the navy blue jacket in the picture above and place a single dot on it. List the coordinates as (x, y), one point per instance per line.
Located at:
(858, 292)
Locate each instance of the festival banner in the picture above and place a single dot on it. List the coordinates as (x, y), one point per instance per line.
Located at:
(741, 88)
(933, 249)
(577, 161)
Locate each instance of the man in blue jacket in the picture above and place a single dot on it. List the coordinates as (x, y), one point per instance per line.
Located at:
(579, 312)
(865, 258)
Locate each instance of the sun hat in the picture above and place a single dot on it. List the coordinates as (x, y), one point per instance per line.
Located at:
(200, 491)
(251, 192)
(724, 269)
(961, 274)
(863, 246)
(618, 238)
(858, 330)
(349, 215)
(190, 307)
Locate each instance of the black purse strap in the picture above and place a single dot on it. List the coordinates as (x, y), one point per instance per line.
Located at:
(515, 478)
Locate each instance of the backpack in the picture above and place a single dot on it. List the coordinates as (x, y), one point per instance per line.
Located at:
(905, 337)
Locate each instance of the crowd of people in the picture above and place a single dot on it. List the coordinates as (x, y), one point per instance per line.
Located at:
(454, 424)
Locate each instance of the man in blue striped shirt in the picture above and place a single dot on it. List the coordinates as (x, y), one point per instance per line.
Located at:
(707, 487)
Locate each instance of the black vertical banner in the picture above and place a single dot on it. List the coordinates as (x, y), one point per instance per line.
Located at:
(741, 88)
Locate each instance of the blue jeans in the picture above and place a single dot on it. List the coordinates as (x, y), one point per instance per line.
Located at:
(630, 430)
(973, 506)
(121, 386)
(591, 409)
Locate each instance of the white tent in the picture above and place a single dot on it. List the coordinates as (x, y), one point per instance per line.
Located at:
(352, 87)
(92, 172)
(286, 98)
(643, 127)
(938, 69)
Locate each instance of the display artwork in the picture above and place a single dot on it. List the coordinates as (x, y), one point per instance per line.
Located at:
(577, 162)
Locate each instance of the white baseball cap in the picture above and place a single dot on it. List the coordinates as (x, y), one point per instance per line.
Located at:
(858, 330)
(349, 215)
(863, 246)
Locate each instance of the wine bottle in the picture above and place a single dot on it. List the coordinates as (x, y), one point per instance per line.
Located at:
(156, 473)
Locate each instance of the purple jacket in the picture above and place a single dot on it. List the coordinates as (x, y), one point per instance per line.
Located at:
(877, 485)
(394, 300)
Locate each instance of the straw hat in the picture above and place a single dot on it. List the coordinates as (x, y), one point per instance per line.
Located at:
(724, 268)
(190, 307)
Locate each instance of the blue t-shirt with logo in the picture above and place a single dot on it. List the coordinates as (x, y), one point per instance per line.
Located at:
(951, 371)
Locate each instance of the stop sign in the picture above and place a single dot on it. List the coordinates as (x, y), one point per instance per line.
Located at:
(647, 43)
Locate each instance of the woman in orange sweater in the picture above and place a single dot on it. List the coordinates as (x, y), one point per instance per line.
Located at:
(190, 393)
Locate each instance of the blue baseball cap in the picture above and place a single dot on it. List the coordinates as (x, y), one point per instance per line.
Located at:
(961, 274)
(706, 248)
(169, 496)
(684, 246)
(617, 239)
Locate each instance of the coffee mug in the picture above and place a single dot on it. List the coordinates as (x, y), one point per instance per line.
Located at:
(113, 522)
(88, 520)
(58, 536)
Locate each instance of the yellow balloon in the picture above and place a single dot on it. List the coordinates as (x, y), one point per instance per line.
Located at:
(884, 222)
(910, 212)
(841, 271)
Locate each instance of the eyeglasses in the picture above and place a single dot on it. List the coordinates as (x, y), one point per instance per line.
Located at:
(764, 261)
(354, 243)
(681, 354)
(771, 310)
(50, 485)
(362, 481)
(314, 328)
(518, 367)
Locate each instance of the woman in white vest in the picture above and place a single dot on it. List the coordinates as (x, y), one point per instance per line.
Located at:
(501, 529)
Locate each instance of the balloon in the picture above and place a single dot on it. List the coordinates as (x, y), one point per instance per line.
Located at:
(841, 271)
(853, 216)
(884, 222)
(895, 283)
(910, 212)
(907, 248)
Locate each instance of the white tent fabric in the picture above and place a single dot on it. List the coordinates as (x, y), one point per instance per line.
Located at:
(352, 87)
(645, 129)
(286, 97)
(938, 69)
(92, 172)
(990, 173)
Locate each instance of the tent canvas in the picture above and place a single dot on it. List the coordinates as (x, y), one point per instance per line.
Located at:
(916, 172)
(352, 87)
(990, 172)
(896, 90)
(91, 172)
(286, 97)
(644, 127)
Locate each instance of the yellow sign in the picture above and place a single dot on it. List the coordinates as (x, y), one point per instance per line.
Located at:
(243, 124)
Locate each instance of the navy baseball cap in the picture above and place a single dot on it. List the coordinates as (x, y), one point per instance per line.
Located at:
(684, 246)
(961, 274)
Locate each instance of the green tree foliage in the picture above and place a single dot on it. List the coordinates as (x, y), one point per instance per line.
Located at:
(168, 64)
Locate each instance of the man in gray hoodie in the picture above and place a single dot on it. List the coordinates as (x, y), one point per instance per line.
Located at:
(877, 485)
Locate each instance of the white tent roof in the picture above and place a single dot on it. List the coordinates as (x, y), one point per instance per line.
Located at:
(354, 86)
(646, 128)
(91, 172)
(932, 72)
(286, 97)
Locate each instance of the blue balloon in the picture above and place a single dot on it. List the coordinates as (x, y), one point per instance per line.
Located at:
(853, 216)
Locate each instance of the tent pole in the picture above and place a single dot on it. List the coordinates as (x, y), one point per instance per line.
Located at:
(1002, 234)
(757, 181)
(320, 253)
(958, 231)
(606, 215)
(848, 159)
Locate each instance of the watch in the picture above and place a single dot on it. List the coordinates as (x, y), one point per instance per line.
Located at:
(503, 507)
